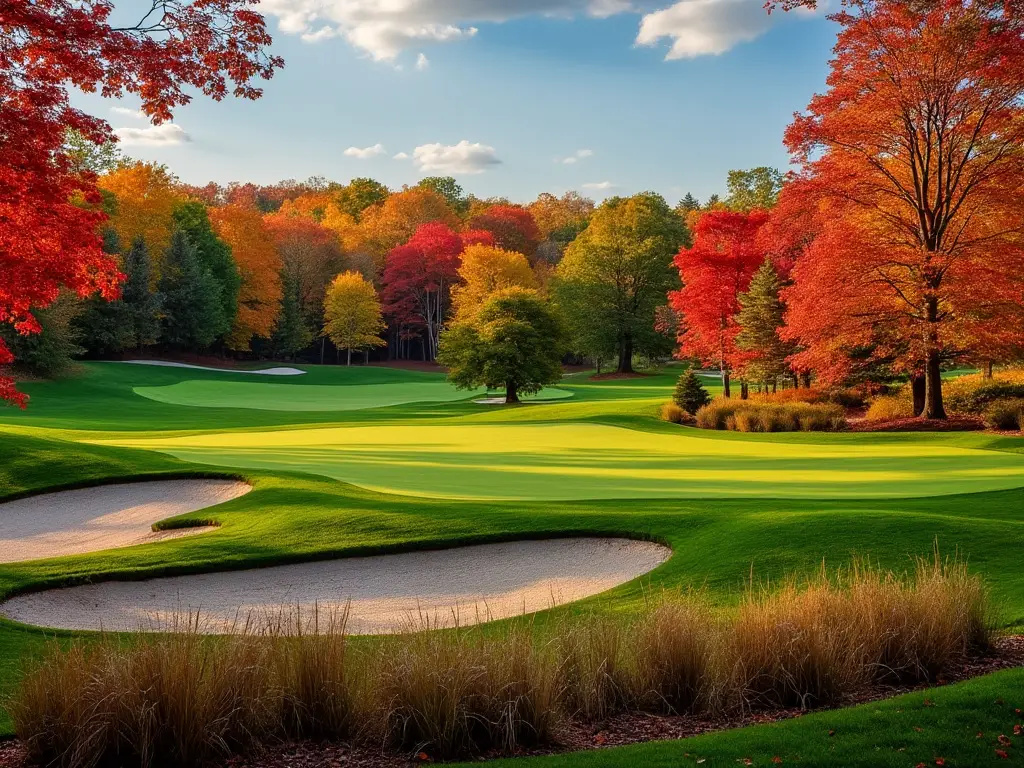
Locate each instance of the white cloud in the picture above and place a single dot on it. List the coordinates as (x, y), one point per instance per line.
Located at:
(137, 113)
(383, 29)
(422, 62)
(703, 27)
(164, 135)
(579, 154)
(599, 185)
(365, 153)
(401, 156)
(458, 158)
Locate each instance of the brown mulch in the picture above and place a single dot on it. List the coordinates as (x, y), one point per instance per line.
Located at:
(914, 424)
(575, 735)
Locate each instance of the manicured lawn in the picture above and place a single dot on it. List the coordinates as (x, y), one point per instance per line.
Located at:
(599, 463)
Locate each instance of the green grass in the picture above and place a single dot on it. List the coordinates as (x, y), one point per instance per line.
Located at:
(873, 495)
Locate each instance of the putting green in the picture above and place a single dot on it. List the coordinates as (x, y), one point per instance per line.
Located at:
(310, 397)
(593, 461)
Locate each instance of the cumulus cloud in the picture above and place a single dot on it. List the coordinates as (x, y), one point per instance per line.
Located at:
(458, 158)
(575, 157)
(365, 153)
(422, 62)
(384, 29)
(165, 135)
(137, 113)
(705, 27)
(599, 185)
(401, 156)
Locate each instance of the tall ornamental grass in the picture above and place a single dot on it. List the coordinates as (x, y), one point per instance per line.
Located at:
(757, 416)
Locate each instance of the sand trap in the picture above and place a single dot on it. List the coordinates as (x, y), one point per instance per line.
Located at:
(385, 593)
(104, 517)
(262, 372)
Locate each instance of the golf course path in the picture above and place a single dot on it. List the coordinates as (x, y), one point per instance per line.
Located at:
(383, 593)
(104, 517)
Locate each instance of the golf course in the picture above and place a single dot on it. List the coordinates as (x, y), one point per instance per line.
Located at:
(349, 466)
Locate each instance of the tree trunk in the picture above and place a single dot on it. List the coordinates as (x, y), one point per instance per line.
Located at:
(511, 393)
(988, 369)
(348, 360)
(933, 408)
(626, 355)
(917, 391)
(775, 386)
(806, 378)
(323, 345)
(744, 390)
(725, 383)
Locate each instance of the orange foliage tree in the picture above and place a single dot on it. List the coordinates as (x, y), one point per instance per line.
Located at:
(145, 198)
(259, 265)
(913, 159)
(393, 222)
(310, 257)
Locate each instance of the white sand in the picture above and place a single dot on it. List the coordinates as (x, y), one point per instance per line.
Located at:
(385, 593)
(261, 372)
(104, 517)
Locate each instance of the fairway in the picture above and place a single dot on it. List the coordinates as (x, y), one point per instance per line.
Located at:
(594, 461)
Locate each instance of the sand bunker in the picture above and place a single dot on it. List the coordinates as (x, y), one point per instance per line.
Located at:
(261, 372)
(104, 517)
(386, 593)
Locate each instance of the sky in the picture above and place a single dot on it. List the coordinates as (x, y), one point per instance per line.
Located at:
(511, 97)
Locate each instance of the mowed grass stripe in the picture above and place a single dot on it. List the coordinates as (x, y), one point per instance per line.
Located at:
(595, 461)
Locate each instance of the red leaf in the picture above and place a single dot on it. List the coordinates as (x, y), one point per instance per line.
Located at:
(1004, 740)
(1002, 753)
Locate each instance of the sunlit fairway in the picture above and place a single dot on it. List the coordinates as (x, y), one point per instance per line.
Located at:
(593, 461)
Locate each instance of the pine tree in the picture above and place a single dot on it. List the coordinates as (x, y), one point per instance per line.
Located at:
(291, 334)
(760, 317)
(690, 394)
(101, 326)
(191, 297)
(215, 255)
(141, 305)
(688, 203)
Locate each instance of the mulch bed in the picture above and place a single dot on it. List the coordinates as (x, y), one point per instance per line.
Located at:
(574, 735)
(914, 424)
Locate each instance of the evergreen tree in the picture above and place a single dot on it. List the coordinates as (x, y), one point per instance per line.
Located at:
(191, 297)
(141, 305)
(215, 255)
(48, 353)
(690, 394)
(291, 334)
(101, 325)
(760, 317)
(688, 203)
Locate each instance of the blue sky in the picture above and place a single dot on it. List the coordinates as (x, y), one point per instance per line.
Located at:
(524, 84)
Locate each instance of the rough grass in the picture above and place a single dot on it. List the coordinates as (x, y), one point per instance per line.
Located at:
(972, 393)
(889, 407)
(758, 416)
(185, 699)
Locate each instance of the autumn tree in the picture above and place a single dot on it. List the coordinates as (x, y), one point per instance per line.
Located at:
(352, 314)
(560, 221)
(310, 257)
(486, 269)
(760, 319)
(417, 281)
(616, 273)
(146, 197)
(394, 221)
(191, 297)
(358, 195)
(291, 333)
(913, 155)
(259, 268)
(757, 188)
(514, 342)
(215, 256)
(512, 226)
(449, 189)
(714, 272)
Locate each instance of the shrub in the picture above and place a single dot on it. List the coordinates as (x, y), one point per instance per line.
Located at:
(758, 416)
(1007, 414)
(673, 413)
(690, 394)
(184, 699)
(889, 407)
(970, 394)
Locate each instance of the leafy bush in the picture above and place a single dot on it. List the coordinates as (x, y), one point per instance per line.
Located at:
(690, 394)
(673, 413)
(184, 699)
(970, 394)
(757, 416)
(889, 407)
(1007, 414)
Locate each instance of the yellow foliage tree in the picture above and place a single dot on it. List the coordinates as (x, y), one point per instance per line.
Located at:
(146, 196)
(484, 270)
(252, 245)
(552, 214)
(352, 314)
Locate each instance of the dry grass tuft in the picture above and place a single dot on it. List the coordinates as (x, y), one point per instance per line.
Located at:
(756, 416)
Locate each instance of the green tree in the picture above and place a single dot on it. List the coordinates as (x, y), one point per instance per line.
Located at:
(756, 188)
(615, 275)
(291, 334)
(192, 218)
(449, 189)
(352, 316)
(690, 394)
(359, 194)
(49, 353)
(141, 305)
(760, 318)
(192, 308)
(515, 341)
(688, 203)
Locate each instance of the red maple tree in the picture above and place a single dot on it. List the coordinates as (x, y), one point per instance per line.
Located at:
(512, 227)
(48, 213)
(725, 255)
(912, 167)
(417, 282)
